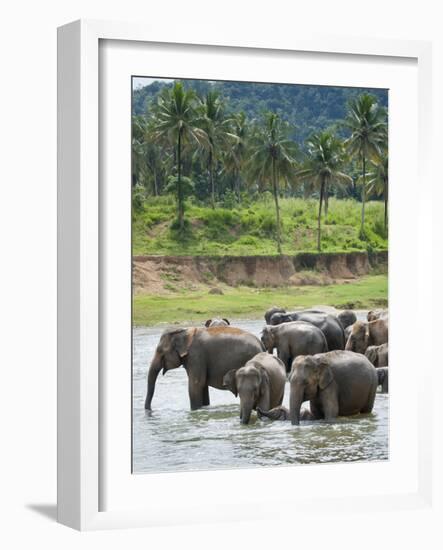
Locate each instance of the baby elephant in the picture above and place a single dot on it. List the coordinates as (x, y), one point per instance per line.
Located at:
(293, 339)
(378, 355)
(383, 379)
(260, 383)
(217, 323)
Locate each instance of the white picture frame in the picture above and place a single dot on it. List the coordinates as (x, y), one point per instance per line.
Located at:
(81, 412)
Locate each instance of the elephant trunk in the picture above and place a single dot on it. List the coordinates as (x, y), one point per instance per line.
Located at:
(295, 402)
(154, 369)
(246, 409)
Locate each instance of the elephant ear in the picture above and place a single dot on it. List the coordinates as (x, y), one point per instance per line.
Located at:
(226, 321)
(325, 375)
(183, 340)
(230, 382)
(208, 322)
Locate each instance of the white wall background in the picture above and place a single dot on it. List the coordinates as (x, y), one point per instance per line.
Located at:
(28, 253)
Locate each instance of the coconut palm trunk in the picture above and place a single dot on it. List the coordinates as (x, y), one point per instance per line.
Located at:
(179, 186)
(155, 183)
(326, 199)
(211, 178)
(277, 206)
(386, 202)
(322, 190)
(237, 186)
(363, 195)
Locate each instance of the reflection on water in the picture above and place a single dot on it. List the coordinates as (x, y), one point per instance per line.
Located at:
(173, 438)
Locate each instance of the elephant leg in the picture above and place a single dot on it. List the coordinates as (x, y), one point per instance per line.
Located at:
(329, 401)
(316, 409)
(206, 396)
(196, 393)
(285, 357)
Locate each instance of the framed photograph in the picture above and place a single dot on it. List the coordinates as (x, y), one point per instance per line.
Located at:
(233, 216)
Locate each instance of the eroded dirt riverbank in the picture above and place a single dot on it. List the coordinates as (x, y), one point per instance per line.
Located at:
(165, 274)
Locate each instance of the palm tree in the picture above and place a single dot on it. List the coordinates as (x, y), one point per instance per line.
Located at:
(378, 181)
(234, 157)
(366, 121)
(272, 159)
(147, 158)
(322, 168)
(217, 128)
(175, 122)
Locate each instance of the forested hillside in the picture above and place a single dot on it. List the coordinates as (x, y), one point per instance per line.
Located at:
(307, 108)
(224, 145)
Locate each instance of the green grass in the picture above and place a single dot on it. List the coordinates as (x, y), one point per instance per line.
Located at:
(243, 302)
(250, 230)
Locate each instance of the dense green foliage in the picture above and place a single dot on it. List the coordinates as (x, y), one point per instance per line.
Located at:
(307, 109)
(190, 143)
(250, 228)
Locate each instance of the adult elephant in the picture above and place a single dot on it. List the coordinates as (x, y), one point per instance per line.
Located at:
(327, 323)
(259, 383)
(206, 353)
(364, 335)
(378, 355)
(337, 383)
(293, 339)
(217, 322)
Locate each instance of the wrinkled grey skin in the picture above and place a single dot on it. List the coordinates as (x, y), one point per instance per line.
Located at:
(328, 324)
(293, 339)
(336, 383)
(282, 413)
(206, 353)
(260, 383)
(377, 314)
(346, 318)
(364, 335)
(378, 355)
(217, 322)
(383, 379)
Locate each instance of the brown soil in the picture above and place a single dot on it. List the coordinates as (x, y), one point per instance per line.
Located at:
(166, 274)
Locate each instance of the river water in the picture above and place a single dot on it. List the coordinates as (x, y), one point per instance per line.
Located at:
(173, 438)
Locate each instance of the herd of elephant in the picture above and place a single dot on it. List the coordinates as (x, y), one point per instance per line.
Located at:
(333, 361)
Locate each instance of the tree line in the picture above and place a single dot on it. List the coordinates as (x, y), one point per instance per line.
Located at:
(191, 144)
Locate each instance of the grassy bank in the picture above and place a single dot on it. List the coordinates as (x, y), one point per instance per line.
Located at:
(251, 303)
(250, 230)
